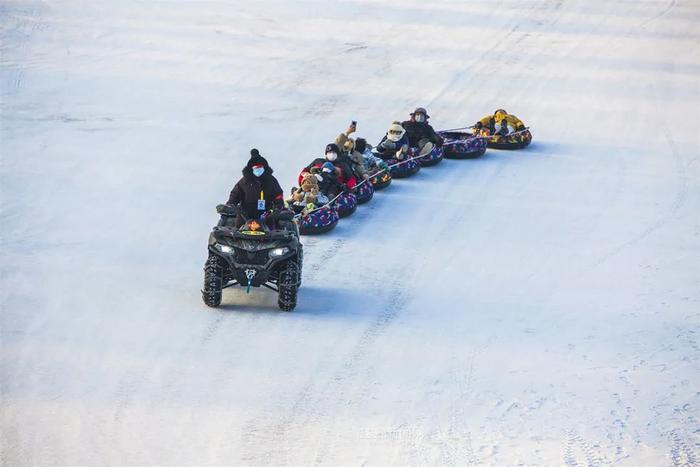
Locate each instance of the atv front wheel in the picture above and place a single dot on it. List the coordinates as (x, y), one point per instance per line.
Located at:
(213, 282)
(288, 285)
(300, 261)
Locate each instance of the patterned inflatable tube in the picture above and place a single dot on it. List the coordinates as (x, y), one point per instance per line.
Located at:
(459, 145)
(346, 204)
(407, 168)
(318, 222)
(516, 140)
(364, 193)
(380, 179)
(434, 158)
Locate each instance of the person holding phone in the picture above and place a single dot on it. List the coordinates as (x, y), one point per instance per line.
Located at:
(354, 157)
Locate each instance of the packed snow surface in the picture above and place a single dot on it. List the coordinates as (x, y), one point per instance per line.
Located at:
(539, 307)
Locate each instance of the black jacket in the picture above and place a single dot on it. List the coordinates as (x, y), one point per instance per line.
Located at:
(416, 131)
(329, 185)
(247, 191)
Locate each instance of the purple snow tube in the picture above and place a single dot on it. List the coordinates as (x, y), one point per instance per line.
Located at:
(364, 192)
(459, 145)
(405, 168)
(434, 158)
(380, 179)
(346, 204)
(320, 221)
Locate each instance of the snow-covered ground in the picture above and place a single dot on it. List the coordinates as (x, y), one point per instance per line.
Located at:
(531, 308)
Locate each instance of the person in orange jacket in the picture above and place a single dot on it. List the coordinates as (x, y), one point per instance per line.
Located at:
(490, 121)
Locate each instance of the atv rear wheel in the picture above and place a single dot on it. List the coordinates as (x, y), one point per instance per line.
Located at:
(288, 285)
(213, 282)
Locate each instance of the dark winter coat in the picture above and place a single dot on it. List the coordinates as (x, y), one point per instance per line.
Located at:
(248, 190)
(416, 131)
(387, 148)
(329, 184)
(342, 162)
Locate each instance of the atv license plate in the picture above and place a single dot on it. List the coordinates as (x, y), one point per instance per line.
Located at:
(252, 232)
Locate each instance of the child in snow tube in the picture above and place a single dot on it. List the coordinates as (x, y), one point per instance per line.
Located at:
(504, 131)
(339, 160)
(375, 167)
(309, 203)
(342, 199)
(338, 194)
(308, 195)
(394, 150)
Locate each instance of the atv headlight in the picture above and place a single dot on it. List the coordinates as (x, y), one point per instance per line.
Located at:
(223, 248)
(279, 252)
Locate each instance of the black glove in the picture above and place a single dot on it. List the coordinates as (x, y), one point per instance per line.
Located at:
(439, 141)
(228, 209)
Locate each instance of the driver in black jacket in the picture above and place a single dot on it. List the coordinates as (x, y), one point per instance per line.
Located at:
(257, 191)
(420, 134)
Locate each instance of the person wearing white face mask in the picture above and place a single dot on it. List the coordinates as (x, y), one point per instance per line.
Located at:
(257, 191)
(394, 145)
(420, 134)
(339, 160)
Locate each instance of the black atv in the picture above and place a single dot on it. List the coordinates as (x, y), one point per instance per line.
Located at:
(254, 256)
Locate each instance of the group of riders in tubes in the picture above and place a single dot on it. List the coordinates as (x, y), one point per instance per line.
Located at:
(352, 167)
(256, 242)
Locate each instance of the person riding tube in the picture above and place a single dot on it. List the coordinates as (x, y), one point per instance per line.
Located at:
(339, 161)
(420, 134)
(395, 143)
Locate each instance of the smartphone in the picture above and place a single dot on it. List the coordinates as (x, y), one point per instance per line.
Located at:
(353, 123)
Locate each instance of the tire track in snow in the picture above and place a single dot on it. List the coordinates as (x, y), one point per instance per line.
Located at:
(575, 446)
(458, 449)
(271, 439)
(682, 455)
(312, 404)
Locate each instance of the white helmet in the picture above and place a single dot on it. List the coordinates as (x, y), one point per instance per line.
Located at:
(395, 132)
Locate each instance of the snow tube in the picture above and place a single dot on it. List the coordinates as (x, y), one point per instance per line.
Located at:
(406, 168)
(364, 192)
(460, 145)
(435, 157)
(318, 222)
(345, 203)
(380, 179)
(517, 140)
